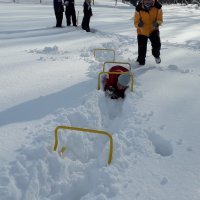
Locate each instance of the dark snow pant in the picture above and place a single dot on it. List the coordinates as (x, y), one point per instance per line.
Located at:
(70, 13)
(154, 37)
(59, 18)
(85, 23)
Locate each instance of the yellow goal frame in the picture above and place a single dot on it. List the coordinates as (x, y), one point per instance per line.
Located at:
(84, 130)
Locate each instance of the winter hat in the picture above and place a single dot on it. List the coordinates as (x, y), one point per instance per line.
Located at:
(124, 79)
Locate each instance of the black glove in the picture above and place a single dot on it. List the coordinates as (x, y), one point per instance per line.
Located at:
(155, 25)
(114, 96)
(111, 93)
(140, 24)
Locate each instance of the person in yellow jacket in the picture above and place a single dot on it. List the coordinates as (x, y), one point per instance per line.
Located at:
(148, 17)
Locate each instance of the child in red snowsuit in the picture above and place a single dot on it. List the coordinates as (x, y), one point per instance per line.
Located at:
(116, 84)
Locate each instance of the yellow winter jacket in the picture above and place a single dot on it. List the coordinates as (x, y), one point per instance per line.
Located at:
(155, 14)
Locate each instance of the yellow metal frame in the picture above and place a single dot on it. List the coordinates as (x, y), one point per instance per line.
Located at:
(115, 62)
(84, 130)
(105, 50)
(99, 78)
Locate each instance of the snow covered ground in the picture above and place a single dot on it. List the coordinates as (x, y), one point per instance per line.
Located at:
(48, 77)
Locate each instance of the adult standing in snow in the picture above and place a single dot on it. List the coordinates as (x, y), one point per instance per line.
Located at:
(87, 11)
(148, 17)
(115, 85)
(58, 9)
(70, 12)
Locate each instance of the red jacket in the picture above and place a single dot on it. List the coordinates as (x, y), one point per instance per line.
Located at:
(111, 81)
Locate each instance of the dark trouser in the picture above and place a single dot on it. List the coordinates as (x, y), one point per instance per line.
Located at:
(70, 12)
(154, 37)
(59, 18)
(85, 23)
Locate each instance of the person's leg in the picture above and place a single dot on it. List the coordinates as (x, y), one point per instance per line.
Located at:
(83, 23)
(142, 48)
(73, 13)
(59, 18)
(88, 24)
(155, 43)
(67, 14)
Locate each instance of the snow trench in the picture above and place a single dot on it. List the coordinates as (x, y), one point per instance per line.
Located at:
(82, 171)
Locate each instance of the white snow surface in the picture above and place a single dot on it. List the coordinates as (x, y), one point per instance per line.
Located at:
(48, 78)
